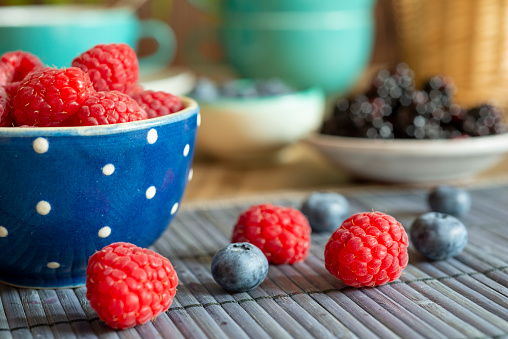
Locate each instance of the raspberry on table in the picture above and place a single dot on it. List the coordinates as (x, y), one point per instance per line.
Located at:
(158, 103)
(50, 97)
(369, 249)
(111, 67)
(282, 233)
(129, 285)
(105, 108)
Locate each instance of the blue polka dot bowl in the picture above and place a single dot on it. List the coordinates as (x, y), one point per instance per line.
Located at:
(68, 192)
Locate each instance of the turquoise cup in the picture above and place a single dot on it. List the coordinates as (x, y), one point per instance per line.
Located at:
(59, 33)
(325, 43)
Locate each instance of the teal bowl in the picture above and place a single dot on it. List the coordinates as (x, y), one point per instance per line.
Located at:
(306, 43)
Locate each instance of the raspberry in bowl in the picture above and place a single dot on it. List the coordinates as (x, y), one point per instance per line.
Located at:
(68, 190)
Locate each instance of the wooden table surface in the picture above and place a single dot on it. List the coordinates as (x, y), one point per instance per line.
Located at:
(302, 170)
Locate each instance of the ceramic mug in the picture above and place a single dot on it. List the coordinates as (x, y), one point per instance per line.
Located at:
(59, 33)
(307, 43)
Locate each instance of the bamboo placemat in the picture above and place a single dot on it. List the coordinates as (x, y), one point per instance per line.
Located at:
(464, 297)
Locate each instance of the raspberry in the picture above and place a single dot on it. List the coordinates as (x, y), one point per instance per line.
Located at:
(368, 249)
(282, 233)
(110, 67)
(22, 62)
(14, 67)
(136, 90)
(128, 285)
(6, 72)
(5, 116)
(157, 104)
(51, 97)
(105, 108)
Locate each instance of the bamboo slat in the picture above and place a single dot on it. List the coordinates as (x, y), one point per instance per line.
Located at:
(463, 297)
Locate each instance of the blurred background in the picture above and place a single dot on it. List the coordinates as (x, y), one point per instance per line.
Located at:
(185, 19)
(329, 45)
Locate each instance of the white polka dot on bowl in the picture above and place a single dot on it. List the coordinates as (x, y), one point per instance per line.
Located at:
(53, 264)
(152, 136)
(43, 207)
(40, 145)
(108, 169)
(150, 192)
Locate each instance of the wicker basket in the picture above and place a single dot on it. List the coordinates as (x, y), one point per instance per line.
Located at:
(464, 39)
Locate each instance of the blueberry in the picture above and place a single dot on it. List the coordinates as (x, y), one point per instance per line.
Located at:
(438, 236)
(325, 210)
(239, 267)
(273, 86)
(238, 89)
(450, 200)
(205, 89)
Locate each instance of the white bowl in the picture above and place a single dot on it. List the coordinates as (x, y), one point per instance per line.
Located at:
(412, 161)
(177, 81)
(242, 129)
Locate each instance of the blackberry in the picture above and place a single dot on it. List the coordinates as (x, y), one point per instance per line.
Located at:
(441, 90)
(423, 119)
(394, 108)
(483, 120)
(360, 117)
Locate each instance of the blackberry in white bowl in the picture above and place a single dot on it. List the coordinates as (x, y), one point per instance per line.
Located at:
(397, 132)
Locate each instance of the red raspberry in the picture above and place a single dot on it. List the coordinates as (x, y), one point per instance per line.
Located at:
(5, 116)
(368, 249)
(282, 233)
(129, 285)
(136, 90)
(105, 108)
(6, 73)
(111, 67)
(159, 103)
(22, 62)
(14, 67)
(51, 97)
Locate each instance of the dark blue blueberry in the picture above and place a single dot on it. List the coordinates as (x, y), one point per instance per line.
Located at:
(273, 86)
(205, 90)
(239, 89)
(450, 200)
(239, 267)
(325, 210)
(438, 236)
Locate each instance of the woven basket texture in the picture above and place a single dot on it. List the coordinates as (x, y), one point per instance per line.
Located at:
(466, 40)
